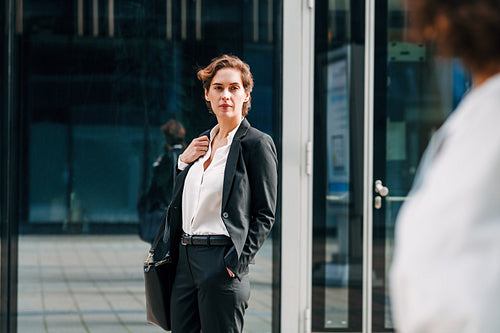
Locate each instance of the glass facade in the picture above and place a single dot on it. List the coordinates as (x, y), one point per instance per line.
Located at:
(415, 91)
(100, 78)
(96, 81)
(337, 272)
(92, 82)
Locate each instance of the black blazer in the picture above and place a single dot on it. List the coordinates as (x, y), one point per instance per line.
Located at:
(249, 197)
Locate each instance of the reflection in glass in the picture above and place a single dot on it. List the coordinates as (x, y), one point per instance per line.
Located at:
(337, 133)
(98, 78)
(337, 202)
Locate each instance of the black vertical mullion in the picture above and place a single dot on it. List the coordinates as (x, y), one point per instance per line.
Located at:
(278, 121)
(319, 169)
(356, 123)
(3, 161)
(10, 176)
(356, 132)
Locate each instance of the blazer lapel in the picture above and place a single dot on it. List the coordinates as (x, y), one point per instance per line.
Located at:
(232, 161)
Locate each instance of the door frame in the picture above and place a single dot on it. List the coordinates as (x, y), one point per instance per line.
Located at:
(368, 164)
(297, 138)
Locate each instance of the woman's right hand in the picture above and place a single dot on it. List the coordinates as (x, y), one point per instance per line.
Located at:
(198, 147)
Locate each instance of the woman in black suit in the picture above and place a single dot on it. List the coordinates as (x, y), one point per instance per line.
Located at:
(223, 206)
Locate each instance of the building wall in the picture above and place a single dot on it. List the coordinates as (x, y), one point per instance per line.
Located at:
(347, 98)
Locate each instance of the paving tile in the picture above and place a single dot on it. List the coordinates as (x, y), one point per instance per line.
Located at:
(95, 284)
(65, 323)
(31, 323)
(105, 323)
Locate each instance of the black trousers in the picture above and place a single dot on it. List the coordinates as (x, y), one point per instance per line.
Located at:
(204, 297)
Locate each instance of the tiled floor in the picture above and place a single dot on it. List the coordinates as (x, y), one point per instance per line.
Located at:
(95, 284)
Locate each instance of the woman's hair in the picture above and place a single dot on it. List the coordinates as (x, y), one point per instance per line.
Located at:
(205, 75)
(468, 29)
(174, 134)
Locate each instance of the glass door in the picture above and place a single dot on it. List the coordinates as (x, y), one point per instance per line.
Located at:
(414, 93)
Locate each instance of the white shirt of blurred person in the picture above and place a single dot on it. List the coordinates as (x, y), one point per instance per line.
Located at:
(446, 270)
(445, 277)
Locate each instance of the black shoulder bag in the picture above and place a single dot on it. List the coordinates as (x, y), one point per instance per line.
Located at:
(159, 274)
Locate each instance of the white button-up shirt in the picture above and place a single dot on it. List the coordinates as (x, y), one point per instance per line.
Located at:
(202, 194)
(445, 276)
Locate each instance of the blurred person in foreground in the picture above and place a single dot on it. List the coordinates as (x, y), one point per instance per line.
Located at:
(223, 206)
(445, 275)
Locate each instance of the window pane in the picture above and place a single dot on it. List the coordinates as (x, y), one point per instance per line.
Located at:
(98, 80)
(338, 161)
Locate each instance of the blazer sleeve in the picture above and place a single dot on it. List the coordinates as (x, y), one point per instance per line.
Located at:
(262, 170)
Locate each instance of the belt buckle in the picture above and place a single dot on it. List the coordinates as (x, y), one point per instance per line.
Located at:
(185, 238)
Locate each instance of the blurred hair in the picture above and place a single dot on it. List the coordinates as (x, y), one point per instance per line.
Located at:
(174, 134)
(468, 29)
(205, 75)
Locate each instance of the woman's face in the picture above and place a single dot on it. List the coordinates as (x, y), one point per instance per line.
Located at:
(226, 94)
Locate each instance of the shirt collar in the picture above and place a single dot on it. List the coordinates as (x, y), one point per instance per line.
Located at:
(230, 135)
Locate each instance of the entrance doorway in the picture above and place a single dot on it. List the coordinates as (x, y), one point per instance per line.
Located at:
(378, 98)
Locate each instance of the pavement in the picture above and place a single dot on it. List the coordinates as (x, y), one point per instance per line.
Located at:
(94, 283)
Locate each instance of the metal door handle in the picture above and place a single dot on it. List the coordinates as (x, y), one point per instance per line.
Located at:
(381, 189)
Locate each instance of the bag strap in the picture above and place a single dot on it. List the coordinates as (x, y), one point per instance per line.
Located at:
(160, 232)
(175, 157)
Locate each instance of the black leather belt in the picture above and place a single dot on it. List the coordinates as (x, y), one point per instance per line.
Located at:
(205, 240)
